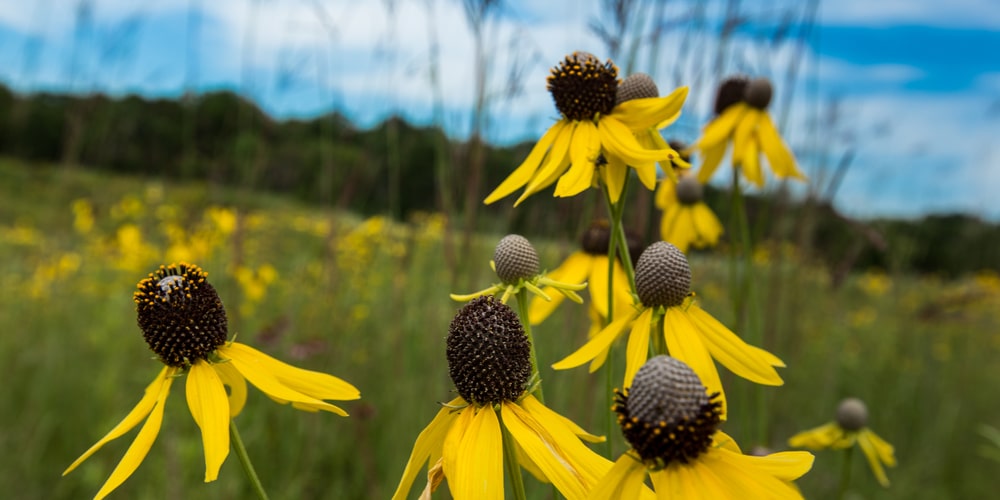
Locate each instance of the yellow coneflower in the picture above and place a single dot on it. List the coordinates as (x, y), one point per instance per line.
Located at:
(488, 360)
(584, 91)
(663, 283)
(670, 420)
(687, 221)
(850, 427)
(184, 323)
(741, 117)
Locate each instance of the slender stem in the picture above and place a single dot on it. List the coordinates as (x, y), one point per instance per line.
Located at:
(845, 473)
(241, 452)
(513, 465)
(658, 344)
(522, 306)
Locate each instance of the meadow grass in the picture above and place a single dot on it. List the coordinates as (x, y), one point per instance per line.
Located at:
(367, 300)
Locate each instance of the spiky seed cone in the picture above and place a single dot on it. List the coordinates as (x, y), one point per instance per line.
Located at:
(759, 92)
(488, 353)
(662, 276)
(852, 414)
(667, 415)
(515, 259)
(180, 314)
(731, 91)
(637, 86)
(689, 190)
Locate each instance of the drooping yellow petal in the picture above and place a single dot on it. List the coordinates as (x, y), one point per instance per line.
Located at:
(886, 452)
(671, 227)
(684, 343)
(594, 346)
(742, 475)
(623, 481)
(637, 351)
(721, 128)
(563, 436)
(209, 406)
(584, 149)
(646, 172)
(641, 114)
(138, 413)
(615, 173)
(311, 383)
(730, 350)
(475, 468)
(872, 455)
(538, 444)
(524, 172)
(691, 481)
(785, 465)
(258, 371)
(237, 387)
(666, 194)
(742, 134)
(555, 163)
(618, 140)
(712, 158)
(817, 438)
(709, 231)
(750, 165)
(428, 443)
(575, 269)
(778, 155)
(143, 441)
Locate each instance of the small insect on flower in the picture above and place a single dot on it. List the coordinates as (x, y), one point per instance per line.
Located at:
(184, 322)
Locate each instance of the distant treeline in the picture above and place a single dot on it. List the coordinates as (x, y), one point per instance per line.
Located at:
(397, 168)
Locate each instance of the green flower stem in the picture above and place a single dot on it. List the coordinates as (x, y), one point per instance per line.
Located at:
(513, 465)
(241, 452)
(658, 344)
(845, 473)
(522, 306)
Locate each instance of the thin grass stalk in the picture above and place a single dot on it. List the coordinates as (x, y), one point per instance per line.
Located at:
(845, 473)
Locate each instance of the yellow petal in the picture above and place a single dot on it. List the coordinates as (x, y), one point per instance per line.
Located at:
(885, 450)
(311, 383)
(143, 441)
(555, 164)
(474, 467)
(730, 350)
(785, 465)
(817, 438)
(584, 149)
(237, 387)
(540, 446)
(637, 351)
(873, 457)
(750, 164)
(618, 140)
(255, 367)
(623, 482)
(138, 413)
(684, 343)
(742, 134)
(646, 172)
(666, 194)
(574, 269)
(741, 475)
(641, 114)
(719, 129)
(524, 172)
(615, 173)
(429, 442)
(594, 346)
(209, 406)
(562, 436)
(709, 231)
(778, 155)
(677, 227)
(712, 158)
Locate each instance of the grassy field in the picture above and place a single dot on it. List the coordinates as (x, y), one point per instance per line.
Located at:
(367, 300)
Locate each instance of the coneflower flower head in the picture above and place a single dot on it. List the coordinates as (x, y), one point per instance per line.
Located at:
(689, 190)
(515, 258)
(758, 93)
(180, 314)
(583, 87)
(636, 86)
(662, 276)
(667, 415)
(852, 414)
(732, 91)
(488, 352)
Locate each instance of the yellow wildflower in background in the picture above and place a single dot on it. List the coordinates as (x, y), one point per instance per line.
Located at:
(687, 221)
(584, 91)
(741, 117)
(184, 323)
(850, 427)
(670, 420)
(489, 362)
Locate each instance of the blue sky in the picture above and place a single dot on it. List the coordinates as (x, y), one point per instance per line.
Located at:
(910, 87)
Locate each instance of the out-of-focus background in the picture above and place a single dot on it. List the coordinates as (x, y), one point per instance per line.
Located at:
(326, 161)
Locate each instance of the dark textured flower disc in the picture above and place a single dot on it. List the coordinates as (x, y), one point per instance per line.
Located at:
(515, 259)
(852, 414)
(732, 91)
(666, 415)
(662, 276)
(636, 86)
(583, 88)
(597, 237)
(758, 93)
(689, 190)
(180, 314)
(489, 357)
